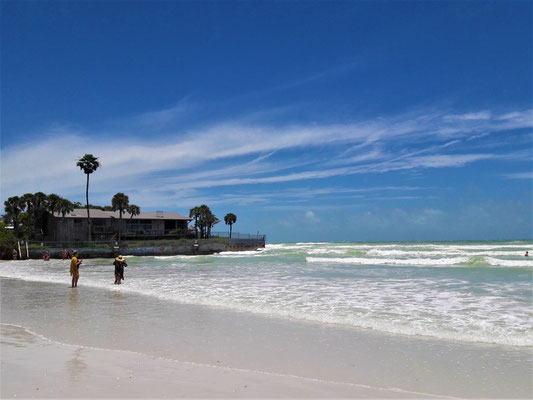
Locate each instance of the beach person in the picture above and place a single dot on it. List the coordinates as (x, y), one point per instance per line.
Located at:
(64, 254)
(120, 264)
(527, 254)
(46, 256)
(15, 254)
(74, 268)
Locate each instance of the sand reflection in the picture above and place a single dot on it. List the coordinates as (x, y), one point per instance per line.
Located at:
(76, 365)
(74, 300)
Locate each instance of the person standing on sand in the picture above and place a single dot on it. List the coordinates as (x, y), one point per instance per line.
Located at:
(119, 263)
(15, 254)
(63, 254)
(74, 268)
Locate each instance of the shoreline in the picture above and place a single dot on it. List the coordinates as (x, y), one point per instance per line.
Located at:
(313, 324)
(236, 341)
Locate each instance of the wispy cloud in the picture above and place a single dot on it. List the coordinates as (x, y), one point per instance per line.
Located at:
(520, 175)
(159, 118)
(476, 116)
(237, 153)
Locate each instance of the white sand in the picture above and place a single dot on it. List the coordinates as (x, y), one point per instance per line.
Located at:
(33, 367)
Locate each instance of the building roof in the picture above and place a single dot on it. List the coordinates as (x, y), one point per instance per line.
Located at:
(95, 213)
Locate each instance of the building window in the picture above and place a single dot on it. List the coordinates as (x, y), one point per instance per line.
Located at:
(139, 224)
(170, 224)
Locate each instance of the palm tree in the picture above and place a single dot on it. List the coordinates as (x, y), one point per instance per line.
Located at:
(230, 219)
(120, 203)
(40, 202)
(195, 213)
(28, 217)
(212, 220)
(64, 207)
(13, 206)
(88, 164)
(52, 203)
(203, 219)
(206, 220)
(27, 200)
(133, 210)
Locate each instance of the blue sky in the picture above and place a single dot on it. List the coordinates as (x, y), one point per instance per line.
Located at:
(311, 121)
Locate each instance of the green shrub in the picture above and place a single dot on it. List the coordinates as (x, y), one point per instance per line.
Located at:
(8, 242)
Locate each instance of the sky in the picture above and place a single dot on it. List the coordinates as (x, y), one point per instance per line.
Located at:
(311, 121)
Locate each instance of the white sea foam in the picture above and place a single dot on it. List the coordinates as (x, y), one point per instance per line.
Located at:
(427, 262)
(449, 303)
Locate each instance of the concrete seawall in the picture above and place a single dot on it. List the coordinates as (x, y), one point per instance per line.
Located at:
(164, 248)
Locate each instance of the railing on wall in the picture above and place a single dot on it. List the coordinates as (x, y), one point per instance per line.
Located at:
(237, 235)
(68, 245)
(182, 233)
(110, 242)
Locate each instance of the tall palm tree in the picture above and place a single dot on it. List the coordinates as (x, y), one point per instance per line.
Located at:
(88, 164)
(120, 203)
(230, 219)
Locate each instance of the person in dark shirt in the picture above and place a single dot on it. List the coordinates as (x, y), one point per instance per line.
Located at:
(119, 263)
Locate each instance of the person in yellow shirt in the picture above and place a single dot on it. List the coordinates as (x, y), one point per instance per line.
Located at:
(75, 268)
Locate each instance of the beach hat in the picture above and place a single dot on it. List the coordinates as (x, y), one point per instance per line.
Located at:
(120, 258)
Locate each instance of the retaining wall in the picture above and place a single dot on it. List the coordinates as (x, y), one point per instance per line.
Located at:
(191, 247)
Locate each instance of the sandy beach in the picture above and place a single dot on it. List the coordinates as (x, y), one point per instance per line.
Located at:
(33, 367)
(59, 342)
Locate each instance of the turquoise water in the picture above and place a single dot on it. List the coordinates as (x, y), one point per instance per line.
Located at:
(465, 291)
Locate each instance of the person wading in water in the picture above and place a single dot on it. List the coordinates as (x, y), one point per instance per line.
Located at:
(75, 268)
(119, 263)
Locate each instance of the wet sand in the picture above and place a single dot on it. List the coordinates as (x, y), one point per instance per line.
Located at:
(34, 367)
(87, 342)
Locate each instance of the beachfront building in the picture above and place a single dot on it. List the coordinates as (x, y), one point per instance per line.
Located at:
(105, 225)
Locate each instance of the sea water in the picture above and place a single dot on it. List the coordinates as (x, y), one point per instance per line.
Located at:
(462, 291)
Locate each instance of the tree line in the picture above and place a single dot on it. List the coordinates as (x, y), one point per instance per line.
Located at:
(28, 213)
(204, 220)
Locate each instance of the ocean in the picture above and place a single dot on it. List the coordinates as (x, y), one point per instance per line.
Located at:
(468, 292)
